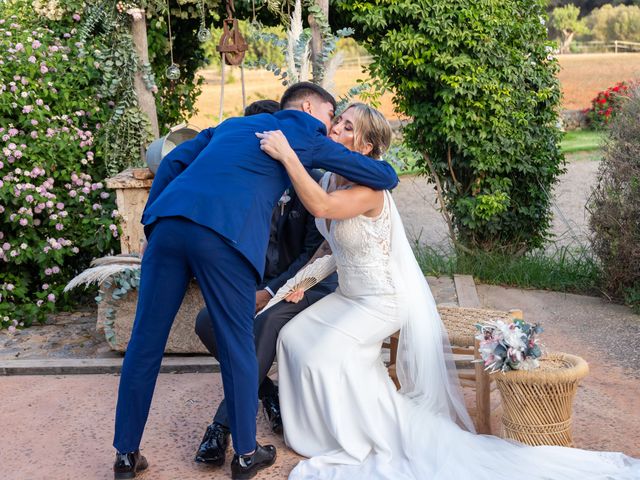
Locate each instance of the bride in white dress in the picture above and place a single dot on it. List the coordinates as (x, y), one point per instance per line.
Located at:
(339, 406)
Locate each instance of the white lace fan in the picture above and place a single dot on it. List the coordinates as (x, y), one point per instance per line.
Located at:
(306, 278)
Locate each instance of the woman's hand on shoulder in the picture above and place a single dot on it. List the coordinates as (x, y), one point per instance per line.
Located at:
(276, 145)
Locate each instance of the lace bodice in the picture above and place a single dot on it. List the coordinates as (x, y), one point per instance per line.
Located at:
(361, 247)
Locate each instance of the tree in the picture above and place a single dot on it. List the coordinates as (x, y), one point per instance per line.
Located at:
(587, 6)
(565, 20)
(615, 23)
(477, 78)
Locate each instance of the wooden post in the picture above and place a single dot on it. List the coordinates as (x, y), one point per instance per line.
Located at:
(146, 99)
(483, 394)
(316, 38)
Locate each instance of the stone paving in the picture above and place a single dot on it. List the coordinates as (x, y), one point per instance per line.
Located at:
(65, 335)
(60, 427)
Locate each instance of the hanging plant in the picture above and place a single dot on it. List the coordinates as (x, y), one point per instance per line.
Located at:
(128, 129)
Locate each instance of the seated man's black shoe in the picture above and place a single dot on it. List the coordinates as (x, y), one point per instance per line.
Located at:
(128, 465)
(271, 407)
(214, 445)
(247, 466)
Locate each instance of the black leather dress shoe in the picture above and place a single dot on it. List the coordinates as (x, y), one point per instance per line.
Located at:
(271, 407)
(128, 465)
(247, 466)
(214, 445)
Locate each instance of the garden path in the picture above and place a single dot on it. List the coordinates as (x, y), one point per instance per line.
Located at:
(416, 200)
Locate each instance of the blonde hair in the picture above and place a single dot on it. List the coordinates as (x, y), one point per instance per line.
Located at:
(370, 126)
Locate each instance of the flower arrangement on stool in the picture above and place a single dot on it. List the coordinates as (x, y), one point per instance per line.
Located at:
(509, 346)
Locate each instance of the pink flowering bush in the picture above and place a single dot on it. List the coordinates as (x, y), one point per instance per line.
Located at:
(55, 213)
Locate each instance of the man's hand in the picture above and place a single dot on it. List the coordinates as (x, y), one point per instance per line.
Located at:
(295, 296)
(262, 298)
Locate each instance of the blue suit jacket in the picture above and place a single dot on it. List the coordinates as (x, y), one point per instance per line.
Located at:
(222, 180)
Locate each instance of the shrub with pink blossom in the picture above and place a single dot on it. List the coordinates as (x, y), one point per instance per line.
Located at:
(55, 214)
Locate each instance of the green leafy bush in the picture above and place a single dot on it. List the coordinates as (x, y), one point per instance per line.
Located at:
(615, 203)
(55, 214)
(478, 80)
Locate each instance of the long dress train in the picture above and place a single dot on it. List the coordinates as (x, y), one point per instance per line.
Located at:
(340, 408)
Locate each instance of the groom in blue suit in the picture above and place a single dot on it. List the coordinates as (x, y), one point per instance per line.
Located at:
(208, 216)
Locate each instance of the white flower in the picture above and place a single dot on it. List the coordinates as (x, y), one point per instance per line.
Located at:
(514, 339)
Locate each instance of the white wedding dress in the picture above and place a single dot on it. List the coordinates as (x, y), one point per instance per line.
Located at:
(341, 409)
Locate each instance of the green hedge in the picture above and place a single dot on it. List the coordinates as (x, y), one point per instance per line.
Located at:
(478, 80)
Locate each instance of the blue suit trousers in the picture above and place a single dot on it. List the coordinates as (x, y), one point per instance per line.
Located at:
(178, 250)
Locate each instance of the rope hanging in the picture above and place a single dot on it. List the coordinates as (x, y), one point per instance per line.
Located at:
(232, 47)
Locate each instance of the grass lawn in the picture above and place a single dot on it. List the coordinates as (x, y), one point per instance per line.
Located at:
(562, 270)
(576, 145)
(581, 141)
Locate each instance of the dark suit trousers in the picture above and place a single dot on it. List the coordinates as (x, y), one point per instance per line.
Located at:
(178, 250)
(266, 328)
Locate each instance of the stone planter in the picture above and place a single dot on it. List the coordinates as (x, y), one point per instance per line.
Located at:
(132, 191)
(117, 329)
(537, 404)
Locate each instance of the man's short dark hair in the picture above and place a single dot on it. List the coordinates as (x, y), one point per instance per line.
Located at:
(261, 106)
(299, 92)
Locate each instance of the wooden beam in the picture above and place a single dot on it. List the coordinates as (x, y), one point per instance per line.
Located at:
(146, 100)
(483, 396)
(466, 291)
(316, 37)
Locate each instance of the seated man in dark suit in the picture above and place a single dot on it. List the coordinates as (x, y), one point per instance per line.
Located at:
(293, 239)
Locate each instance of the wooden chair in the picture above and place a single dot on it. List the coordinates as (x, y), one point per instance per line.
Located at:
(460, 324)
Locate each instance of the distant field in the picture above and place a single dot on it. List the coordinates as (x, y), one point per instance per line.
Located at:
(582, 77)
(261, 84)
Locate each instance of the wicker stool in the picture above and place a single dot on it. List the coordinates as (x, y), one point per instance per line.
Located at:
(537, 404)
